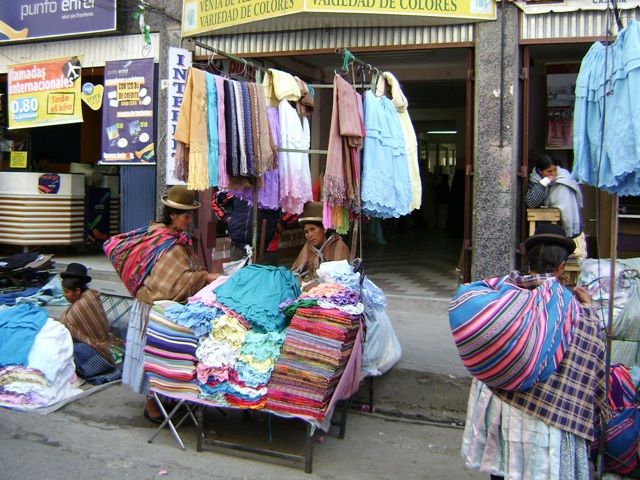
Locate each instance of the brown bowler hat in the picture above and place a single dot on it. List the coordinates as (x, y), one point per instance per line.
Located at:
(312, 213)
(180, 198)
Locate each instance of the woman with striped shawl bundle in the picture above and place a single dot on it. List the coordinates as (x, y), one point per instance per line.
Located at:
(156, 263)
(533, 347)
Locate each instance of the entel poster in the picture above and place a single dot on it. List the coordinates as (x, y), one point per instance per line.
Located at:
(127, 112)
(44, 93)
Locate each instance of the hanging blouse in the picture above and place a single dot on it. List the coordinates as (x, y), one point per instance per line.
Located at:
(295, 177)
(606, 134)
(386, 191)
(401, 104)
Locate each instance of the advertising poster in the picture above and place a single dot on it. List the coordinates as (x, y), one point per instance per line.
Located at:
(44, 93)
(28, 19)
(179, 61)
(127, 113)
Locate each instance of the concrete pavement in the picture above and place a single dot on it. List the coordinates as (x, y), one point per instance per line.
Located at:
(104, 436)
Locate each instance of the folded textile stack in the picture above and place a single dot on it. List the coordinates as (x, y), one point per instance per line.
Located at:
(169, 356)
(36, 360)
(23, 274)
(316, 349)
(235, 363)
(255, 292)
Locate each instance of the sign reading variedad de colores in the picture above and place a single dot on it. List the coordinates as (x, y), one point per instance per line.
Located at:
(30, 19)
(44, 93)
(200, 16)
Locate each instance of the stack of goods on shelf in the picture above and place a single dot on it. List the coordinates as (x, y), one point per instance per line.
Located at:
(237, 357)
(169, 356)
(238, 329)
(23, 275)
(316, 349)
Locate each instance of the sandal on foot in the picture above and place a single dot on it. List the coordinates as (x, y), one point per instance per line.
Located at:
(157, 419)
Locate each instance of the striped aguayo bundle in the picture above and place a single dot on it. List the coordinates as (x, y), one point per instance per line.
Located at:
(316, 349)
(169, 356)
(509, 336)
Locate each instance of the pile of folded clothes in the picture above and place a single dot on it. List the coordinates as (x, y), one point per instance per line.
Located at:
(23, 274)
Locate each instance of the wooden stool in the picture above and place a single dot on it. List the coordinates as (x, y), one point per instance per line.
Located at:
(571, 271)
(541, 215)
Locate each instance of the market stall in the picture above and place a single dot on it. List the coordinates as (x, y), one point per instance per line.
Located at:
(271, 349)
(254, 340)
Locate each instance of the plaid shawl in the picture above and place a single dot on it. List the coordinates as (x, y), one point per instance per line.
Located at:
(509, 336)
(133, 254)
(573, 397)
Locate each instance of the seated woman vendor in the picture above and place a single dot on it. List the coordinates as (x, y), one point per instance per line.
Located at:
(321, 245)
(87, 322)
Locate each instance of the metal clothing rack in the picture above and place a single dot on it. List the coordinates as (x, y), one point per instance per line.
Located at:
(192, 44)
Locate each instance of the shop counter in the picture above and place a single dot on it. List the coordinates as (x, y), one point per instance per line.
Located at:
(41, 208)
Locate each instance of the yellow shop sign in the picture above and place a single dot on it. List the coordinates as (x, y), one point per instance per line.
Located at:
(203, 16)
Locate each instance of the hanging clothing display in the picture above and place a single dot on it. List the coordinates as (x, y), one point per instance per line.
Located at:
(386, 191)
(345, 142)
(192, 133)
(606, 126)
(279, 85)
(295, 176)
(212, 127)
(222, 131)
(411, 143)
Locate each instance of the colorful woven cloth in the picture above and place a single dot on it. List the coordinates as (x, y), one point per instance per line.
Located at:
(133, 254)
(622, 392)
(509, 336)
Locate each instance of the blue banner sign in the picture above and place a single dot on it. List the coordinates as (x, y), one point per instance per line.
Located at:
(30, 19)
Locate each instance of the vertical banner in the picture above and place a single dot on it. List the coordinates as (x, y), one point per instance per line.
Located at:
(127, 113)
(44, 93)
(179, 62)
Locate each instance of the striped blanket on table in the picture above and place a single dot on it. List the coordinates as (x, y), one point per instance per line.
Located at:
(511, 332)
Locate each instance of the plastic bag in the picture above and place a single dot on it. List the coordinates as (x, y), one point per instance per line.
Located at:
(229, 268)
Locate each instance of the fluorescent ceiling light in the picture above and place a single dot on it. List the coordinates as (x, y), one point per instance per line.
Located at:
(442, 132)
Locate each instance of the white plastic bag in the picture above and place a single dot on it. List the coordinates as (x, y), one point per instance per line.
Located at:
(229, 268)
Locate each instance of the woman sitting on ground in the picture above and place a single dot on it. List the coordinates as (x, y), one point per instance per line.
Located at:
(87, 322)
(321, 244)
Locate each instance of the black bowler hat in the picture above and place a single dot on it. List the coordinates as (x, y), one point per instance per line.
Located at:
(76, 270)
(550, 233)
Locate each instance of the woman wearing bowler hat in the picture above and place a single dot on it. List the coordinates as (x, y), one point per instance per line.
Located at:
(156, 263)
(321, 245)
(85, 319)
(534, 349)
